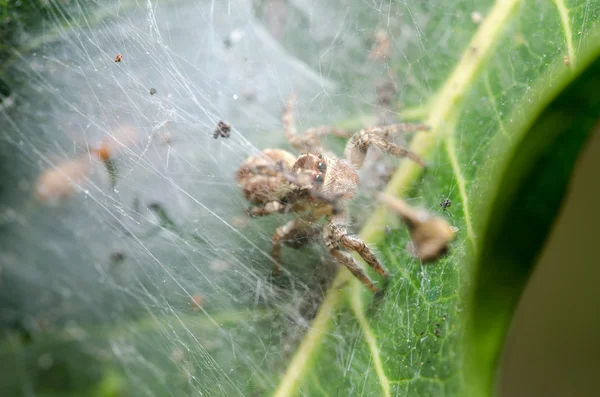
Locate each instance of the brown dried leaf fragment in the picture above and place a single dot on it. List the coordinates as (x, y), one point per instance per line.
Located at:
(118, 58)
(431, 235)
(63, 180)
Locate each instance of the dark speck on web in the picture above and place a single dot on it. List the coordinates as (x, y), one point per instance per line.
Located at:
(445, 204)
(117, 257)
(223, 130)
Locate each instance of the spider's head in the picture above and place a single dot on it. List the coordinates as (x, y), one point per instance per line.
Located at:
(312, 168)
(333, 178)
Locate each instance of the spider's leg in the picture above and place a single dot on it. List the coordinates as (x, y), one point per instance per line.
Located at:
(346, 259)
(324, 130)
(396, 129)
(289, 125)
(340, 234)
(281, 234)
(309, 141)
(312, 135)
(357, 146)
(271, 207)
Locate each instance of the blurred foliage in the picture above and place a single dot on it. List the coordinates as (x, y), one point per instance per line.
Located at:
(18, 16)
(18, 19)
(530, 184)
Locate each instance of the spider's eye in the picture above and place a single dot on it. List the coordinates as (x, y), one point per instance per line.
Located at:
(321, 166)
(319, 178)
(320, 155)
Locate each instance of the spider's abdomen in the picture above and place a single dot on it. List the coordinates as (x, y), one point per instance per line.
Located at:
(258, 178)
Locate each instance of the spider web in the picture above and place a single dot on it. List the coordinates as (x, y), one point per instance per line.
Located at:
(147, 279)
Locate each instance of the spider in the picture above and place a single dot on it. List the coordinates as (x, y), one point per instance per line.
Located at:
(316, 185)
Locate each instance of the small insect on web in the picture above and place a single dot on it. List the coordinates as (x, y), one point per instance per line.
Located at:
(445, 204)
(223, 130)
(316, 185)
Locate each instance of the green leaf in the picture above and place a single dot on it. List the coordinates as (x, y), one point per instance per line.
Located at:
(412, 344)
(530, 185)
(487, 88)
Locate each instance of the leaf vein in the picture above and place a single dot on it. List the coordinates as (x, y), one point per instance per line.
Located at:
(563, 11)
(370, 339)
(460, 181)
(488, 88)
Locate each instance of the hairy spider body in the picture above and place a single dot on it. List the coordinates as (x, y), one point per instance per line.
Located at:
(260, 182)
(317, 185)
